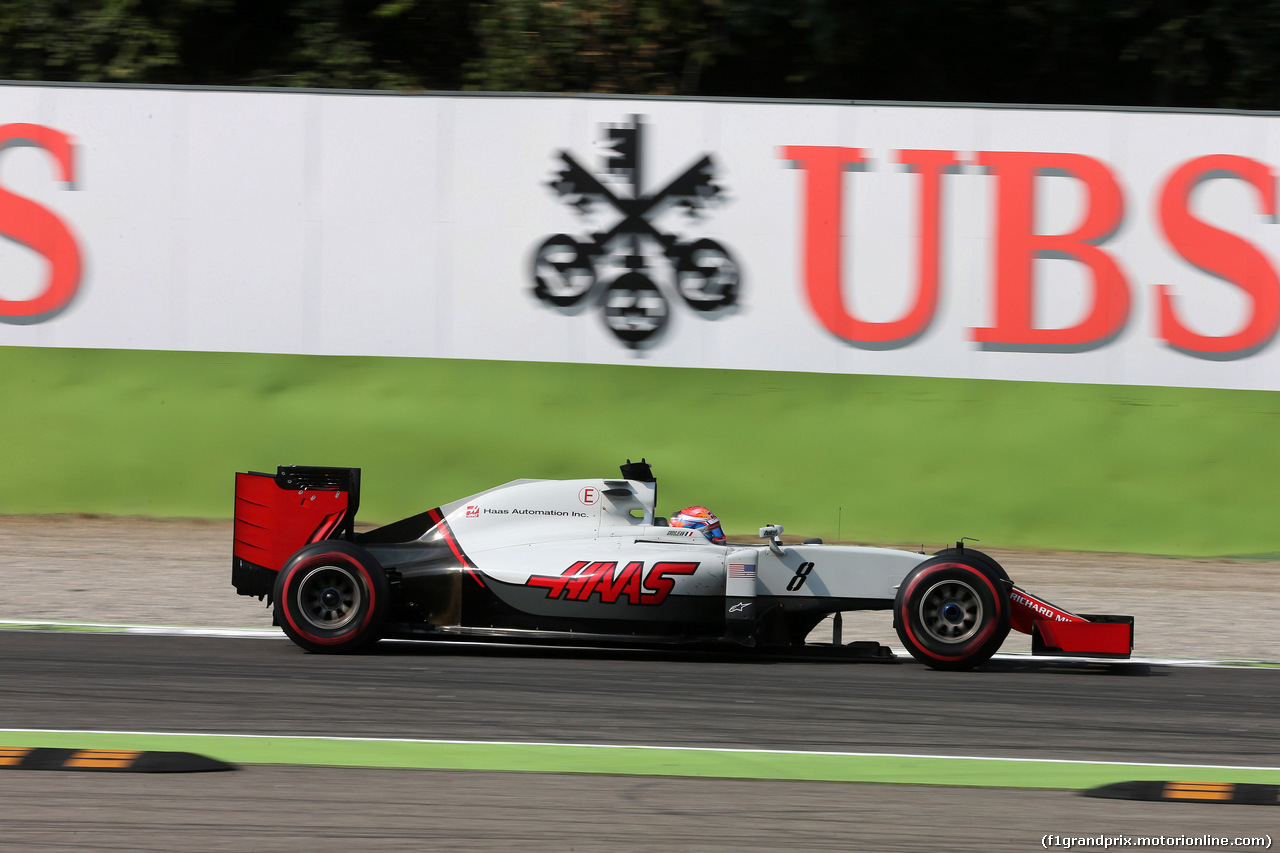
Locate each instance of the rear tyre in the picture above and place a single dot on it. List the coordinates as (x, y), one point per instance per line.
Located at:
(332, 597)
(950, 613)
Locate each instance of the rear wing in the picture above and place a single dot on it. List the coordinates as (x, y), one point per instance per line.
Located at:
(275, 515)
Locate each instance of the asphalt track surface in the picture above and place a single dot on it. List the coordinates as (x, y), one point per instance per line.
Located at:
(1120, 712)
(1047, 709)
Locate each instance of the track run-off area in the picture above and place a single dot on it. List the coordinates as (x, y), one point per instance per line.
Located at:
(728, 748)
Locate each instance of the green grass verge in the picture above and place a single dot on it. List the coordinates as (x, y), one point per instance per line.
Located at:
(640, 761)
(872, 458)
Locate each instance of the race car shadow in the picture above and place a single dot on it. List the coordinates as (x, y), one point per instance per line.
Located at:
(693, 653)
(1068, 666)
(851, 653)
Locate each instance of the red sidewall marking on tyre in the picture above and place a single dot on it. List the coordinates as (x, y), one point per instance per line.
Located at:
(976, 641)
(331, 641)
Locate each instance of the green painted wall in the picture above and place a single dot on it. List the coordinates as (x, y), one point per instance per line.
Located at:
(875, 458)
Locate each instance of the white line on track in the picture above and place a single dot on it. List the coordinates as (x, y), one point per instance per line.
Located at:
(160, 630)
(652, 748)
(276, 634)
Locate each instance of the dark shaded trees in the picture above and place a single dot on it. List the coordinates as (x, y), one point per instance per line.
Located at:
(369, 44)
(1210, 53)
(1190, 53)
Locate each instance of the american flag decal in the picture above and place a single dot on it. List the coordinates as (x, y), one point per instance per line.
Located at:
(742, 570)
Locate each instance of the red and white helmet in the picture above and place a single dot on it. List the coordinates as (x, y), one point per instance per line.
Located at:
(700, 518)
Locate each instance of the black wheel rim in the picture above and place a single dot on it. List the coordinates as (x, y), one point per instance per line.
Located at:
(329, 597)
(951, 612)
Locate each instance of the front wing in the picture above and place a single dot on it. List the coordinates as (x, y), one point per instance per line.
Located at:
(1055, 631)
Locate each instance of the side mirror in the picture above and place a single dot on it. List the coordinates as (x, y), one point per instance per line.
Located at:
(773, 532)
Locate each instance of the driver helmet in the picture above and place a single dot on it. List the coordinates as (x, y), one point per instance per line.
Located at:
(700, 518)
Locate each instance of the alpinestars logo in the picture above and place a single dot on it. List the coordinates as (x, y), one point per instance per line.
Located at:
(626, 269)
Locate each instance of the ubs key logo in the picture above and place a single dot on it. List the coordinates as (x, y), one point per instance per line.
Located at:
(626, 269)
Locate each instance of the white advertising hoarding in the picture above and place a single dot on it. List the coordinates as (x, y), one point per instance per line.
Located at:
(1033, 244)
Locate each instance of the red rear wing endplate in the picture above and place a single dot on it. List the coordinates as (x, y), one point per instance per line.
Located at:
(277, 515)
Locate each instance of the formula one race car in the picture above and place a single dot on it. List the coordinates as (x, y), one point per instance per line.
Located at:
(589, 561)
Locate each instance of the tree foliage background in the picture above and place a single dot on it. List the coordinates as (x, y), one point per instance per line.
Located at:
(1211, 53)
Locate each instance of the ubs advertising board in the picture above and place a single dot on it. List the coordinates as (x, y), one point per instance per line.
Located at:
(1091, 246)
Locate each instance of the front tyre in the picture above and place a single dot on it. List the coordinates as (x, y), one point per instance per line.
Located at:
(950, 613)
(331, 597)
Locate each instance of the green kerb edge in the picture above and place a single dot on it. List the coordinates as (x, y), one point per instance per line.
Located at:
(639, 761)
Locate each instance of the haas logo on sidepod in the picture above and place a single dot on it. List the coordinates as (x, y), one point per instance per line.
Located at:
(640, 586)
(615, 269)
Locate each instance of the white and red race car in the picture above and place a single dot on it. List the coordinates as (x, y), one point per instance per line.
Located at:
(590, 561)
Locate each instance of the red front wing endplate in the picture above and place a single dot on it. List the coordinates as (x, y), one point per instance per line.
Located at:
(1055, 631)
